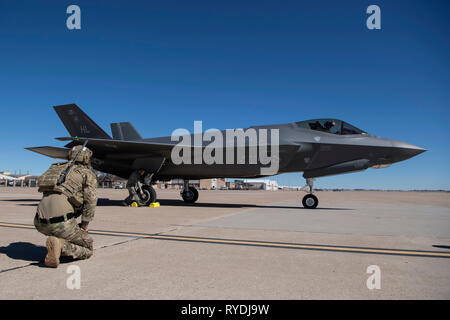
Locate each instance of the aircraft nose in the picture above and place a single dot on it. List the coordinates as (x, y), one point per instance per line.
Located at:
(405, 150)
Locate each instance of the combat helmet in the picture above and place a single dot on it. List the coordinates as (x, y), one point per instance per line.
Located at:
(84, 157)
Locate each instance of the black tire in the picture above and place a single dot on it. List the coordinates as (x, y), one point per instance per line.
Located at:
(150, 195)
(310, 201)
(190, 196)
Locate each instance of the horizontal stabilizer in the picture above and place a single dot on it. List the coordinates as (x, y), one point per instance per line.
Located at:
(53, 152)
(78, 123)
(124, 131)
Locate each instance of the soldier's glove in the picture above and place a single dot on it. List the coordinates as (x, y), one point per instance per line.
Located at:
(84, 225)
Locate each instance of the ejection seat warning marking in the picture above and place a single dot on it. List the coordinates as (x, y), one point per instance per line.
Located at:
(299, 246)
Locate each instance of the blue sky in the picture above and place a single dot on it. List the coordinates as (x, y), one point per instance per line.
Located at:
(162, 65)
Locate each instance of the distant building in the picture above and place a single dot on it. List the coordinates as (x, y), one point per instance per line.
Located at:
(292, 188)
(106, 180)
(16, 180)
(205, 184)
(212, 184)
(231, 185)
(256, 184)
(177, 184)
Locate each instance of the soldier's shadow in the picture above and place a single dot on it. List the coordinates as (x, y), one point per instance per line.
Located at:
(29, 252)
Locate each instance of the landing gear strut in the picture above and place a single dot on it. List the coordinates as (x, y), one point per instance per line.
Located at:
(310, 201)
(189, 194)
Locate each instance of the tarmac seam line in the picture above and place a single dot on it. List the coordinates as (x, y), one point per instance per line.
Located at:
(95, 249)
(267, 244)
(20, 267)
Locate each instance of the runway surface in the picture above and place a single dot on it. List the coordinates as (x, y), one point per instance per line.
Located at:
(412, 253)
(239, 245)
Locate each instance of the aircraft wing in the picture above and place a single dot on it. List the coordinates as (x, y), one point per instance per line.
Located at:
(120, 149)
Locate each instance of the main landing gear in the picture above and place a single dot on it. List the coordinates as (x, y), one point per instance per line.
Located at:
(310, 201)
(149, 195)
(189, 194)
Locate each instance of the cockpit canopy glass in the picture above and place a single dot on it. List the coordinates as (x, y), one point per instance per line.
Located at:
(331, 126)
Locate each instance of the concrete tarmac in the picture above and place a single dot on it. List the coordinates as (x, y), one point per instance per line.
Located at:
(239, 245)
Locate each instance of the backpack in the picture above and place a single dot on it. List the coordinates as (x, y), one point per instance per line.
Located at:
(48, 181)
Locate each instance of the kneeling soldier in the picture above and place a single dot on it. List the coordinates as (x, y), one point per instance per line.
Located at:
(69, 190)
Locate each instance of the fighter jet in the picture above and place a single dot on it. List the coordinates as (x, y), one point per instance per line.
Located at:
(318, 148)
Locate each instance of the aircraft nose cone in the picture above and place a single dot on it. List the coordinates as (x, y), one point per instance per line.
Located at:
(405, 150)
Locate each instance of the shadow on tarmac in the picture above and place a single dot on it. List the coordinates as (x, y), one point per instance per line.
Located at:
(441, 247)
(105, 202)
(26, 251)
(34, 204)
(22, 200)
(180, 203)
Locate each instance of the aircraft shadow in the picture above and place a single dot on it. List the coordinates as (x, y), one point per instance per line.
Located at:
(26, 251)
(441, 247)
(34, 204)
(105, 202)
(181, 203)
(22, 200)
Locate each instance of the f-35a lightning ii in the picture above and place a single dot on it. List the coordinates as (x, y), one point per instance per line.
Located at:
(318, 148)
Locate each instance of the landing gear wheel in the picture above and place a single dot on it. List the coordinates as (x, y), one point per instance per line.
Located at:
(310, 201)
(190, 195)
(149, 195)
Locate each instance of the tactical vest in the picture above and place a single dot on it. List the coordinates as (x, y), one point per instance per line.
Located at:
(72, 187)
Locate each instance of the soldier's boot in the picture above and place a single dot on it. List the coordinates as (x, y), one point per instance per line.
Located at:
(54, 247)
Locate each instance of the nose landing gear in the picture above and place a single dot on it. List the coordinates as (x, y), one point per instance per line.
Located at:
(310, 201)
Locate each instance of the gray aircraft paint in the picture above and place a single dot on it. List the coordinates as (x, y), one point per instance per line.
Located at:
(313, 152)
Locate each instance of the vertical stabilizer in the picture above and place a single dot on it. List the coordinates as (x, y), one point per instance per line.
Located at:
(78, 123)
(124, 131)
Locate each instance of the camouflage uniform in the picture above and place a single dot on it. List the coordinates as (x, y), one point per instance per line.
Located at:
(77, 194)
(76, 242)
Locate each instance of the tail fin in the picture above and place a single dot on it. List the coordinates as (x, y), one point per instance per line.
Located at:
(124, 131)
(78, 123)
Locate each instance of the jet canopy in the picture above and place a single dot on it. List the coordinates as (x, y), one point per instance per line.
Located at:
(330, 125)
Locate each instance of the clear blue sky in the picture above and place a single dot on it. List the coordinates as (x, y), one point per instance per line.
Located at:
(164, 64)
